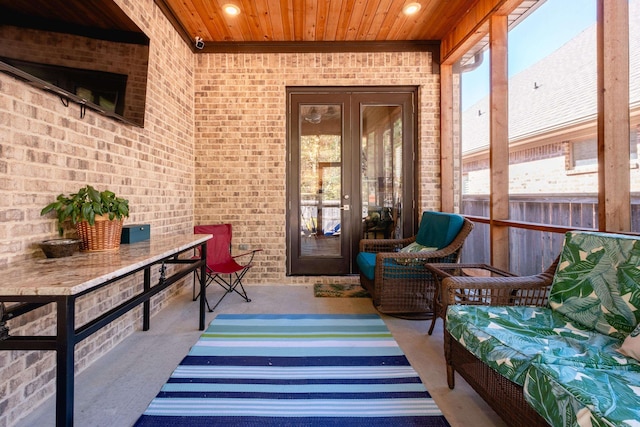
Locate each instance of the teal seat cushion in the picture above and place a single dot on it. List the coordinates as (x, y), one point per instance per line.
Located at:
(438, 229)
(393, 270)
(366, 263)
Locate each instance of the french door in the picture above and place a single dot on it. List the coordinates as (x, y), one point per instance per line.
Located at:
(350, 173)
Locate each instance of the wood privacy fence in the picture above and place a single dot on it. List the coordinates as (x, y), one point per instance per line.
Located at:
(532, 247)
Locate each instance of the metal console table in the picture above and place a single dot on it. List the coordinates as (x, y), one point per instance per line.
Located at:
(61, 281)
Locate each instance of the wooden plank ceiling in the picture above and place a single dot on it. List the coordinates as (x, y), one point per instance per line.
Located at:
(270, 24)
(316, 20)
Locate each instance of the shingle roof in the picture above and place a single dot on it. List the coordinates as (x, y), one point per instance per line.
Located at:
(566, 91)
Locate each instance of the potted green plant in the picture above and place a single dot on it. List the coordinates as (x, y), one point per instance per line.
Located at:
(97, 216)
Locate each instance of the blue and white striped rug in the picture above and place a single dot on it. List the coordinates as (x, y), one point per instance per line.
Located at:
(294, 370)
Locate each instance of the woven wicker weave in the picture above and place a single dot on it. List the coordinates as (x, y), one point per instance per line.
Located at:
(103, 236)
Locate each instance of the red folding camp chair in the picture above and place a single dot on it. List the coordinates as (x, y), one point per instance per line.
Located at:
(222, 267)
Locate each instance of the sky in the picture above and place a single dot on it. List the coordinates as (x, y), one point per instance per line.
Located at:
(548, 28)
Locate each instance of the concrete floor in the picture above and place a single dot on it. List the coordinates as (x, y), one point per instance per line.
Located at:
(117, 388)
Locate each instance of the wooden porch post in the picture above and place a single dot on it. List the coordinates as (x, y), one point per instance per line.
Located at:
(499, 140)
(614, 199)
(447, 157)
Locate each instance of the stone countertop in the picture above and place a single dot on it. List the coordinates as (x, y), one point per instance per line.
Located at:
(84, 270)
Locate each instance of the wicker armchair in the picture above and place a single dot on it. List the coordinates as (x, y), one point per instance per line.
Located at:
(503, 395)
(401, 285)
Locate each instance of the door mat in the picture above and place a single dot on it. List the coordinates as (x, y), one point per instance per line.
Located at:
(339, 290)
(294, 370)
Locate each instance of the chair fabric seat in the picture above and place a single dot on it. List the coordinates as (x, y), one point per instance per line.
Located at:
(228, 267)
(393, 269)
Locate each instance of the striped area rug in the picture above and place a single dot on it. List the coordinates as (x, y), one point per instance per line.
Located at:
(294, 370)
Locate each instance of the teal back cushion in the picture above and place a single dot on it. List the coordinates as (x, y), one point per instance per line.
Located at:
(597, 283)
(438, 229)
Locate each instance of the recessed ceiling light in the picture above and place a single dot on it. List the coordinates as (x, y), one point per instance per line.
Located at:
(411, 8)
(231, 9)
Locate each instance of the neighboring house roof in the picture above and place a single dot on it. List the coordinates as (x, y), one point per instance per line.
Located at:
(557, 91)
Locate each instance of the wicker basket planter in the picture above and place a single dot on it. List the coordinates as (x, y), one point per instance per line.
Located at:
(96, 215)
(104, 235)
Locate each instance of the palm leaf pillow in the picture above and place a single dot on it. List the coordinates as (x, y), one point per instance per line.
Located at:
(412, 248)
(597, 283)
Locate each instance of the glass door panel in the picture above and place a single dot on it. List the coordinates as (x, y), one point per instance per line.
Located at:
(319, 188)
(382, 147)
(321, 180)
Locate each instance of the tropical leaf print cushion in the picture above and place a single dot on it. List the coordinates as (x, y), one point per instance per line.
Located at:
(509, 338)
(412, 248)
(597, 283)
(570, 396)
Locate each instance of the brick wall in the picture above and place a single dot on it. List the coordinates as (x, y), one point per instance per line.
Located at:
(547, 169)
(46, 149)
(240, 129)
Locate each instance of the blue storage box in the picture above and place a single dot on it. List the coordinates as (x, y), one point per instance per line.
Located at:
(135, 233)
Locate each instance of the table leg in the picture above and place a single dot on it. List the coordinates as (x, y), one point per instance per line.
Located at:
(203, 283)
(146, 306)
(65, 344)
(436, 304)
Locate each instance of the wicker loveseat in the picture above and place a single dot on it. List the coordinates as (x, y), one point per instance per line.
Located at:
(545, 350)
(397, 279)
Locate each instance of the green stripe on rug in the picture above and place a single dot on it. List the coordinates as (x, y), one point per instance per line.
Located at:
(339, 290)
(289, 335)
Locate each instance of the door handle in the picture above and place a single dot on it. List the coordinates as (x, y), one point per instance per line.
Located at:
(345, 207)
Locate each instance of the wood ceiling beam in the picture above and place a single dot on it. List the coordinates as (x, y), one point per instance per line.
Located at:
(324, 46)
(472, 27)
